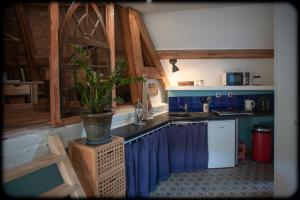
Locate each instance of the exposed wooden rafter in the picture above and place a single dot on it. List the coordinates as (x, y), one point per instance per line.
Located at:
(10, 37)
(27, 40)
(146, 57)
(220, 53)
(136, 43)
(150, 49)
(128, 49)
(138, 46)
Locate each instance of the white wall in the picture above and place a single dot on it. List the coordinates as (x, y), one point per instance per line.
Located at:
(231, 27)
(248, 26)
(210, 70)
(286, 122)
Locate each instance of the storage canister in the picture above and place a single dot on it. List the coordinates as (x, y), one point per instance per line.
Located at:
(257, 80)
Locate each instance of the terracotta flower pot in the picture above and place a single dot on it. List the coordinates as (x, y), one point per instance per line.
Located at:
(97, 127)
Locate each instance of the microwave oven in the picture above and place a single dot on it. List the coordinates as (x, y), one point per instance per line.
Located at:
(235, 78)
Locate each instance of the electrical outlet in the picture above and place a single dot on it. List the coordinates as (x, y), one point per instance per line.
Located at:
(229, 94)
(218, 94)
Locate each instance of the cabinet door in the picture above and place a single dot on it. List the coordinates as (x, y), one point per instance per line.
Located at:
(221, 144)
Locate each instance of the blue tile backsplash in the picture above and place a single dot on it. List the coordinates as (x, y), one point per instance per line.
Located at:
(224, 102)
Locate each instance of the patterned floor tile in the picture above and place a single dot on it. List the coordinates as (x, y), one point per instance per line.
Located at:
(250, 179)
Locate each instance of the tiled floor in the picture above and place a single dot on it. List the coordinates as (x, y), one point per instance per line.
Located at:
(249, 179)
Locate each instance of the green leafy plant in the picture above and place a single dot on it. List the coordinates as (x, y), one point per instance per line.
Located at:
(94, 91)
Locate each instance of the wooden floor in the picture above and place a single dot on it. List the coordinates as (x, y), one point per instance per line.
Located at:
(23, 117)
(19, 117)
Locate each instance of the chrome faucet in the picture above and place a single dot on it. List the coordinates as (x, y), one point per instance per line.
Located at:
(185, 107)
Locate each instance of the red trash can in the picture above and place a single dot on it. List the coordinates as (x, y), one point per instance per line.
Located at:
(262, 143)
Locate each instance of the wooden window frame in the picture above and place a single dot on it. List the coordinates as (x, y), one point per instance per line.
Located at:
(55, 102)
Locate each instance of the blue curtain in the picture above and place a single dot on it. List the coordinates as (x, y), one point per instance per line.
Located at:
(196, 157)
(150, 159)
(130, 171)
(146, 163)
(144, 166)
(153, 172)
(188, 147)
(177, 147)
(163, 155)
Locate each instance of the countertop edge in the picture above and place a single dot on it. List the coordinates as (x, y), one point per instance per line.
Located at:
(131, 131)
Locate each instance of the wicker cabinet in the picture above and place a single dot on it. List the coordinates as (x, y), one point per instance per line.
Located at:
(100, 168)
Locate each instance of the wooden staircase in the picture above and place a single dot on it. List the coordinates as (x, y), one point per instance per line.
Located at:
(71, 185)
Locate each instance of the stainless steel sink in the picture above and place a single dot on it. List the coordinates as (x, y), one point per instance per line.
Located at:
(234, 112)
(180, 114)
(201, 114)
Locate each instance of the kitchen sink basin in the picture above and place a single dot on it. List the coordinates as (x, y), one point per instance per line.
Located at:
(180, 114)
(201, 114)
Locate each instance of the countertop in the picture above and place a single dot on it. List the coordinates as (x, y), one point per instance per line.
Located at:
(131, 131)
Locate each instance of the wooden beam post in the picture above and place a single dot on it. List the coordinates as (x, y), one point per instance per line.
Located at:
(27, 40)
(54, 65)
(137, 51)
(149, 47)
(128, 49)
(110, 29)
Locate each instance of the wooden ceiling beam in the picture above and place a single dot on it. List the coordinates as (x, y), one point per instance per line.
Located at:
(27, 40)
(45, 4)
(216, 54)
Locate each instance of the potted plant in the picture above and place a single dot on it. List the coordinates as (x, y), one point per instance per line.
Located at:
(94, 94)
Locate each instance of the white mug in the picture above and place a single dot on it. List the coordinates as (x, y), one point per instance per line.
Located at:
(249, 105)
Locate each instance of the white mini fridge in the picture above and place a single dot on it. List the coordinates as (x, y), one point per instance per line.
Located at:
(221, 143)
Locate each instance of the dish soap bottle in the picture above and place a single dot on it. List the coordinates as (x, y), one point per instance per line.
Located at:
(205, 106)
(139, 114)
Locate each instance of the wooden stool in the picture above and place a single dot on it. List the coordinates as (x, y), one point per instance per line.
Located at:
(242, 151)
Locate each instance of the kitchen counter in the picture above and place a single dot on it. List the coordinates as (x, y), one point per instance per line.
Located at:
(131, 131)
